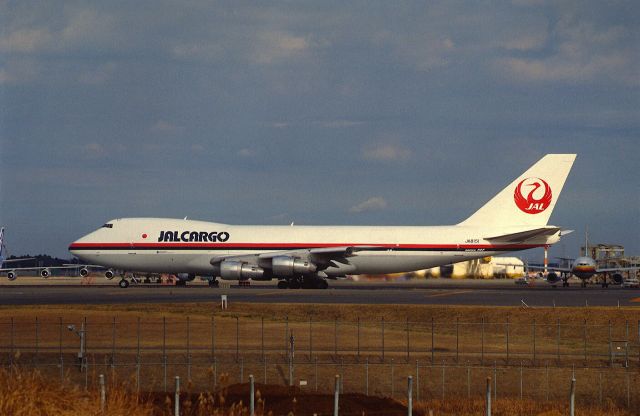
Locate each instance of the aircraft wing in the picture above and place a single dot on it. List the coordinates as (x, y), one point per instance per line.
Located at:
(17, 269)
(321, 256)
(552, 268)
(616, 269)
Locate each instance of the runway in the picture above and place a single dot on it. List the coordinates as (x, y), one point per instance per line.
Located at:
(434, 292)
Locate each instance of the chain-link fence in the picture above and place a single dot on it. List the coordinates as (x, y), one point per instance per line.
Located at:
(447, 359)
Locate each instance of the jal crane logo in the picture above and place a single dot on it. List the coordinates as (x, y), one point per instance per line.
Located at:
(533, 202)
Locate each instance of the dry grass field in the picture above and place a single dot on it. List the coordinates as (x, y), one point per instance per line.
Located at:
(129, 343)
(39, 395)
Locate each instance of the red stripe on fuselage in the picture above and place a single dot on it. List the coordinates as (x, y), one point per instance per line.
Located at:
(125, 246)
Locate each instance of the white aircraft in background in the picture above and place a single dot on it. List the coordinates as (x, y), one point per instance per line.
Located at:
(305, 256)
(584, 268)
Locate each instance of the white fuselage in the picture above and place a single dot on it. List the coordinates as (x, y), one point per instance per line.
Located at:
(187, 246)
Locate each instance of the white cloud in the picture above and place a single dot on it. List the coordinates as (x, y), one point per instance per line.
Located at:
(337, 124)
(246, 152)
(274, 46)
(375, 203)
(386, 152)
(98, 75)
(165, 127)
(25, 40)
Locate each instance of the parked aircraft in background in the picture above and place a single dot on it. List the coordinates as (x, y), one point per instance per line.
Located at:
(584, 268)
(305, 256)
(43, 271)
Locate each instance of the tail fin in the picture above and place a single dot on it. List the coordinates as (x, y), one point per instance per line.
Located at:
(530, 199)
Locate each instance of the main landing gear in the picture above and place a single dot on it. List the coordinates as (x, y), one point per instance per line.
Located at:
(123, 283)
(304, 283)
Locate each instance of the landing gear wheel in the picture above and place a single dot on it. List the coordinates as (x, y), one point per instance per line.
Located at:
(124, 283)
(283, 284)
(213, 283)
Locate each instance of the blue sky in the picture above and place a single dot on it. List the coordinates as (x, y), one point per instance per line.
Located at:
(395, 113)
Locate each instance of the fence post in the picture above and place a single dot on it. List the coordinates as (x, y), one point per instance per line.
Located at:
(241, 370)
(495, 381)
(262, 337)
(286, 333)
(316, 372)
(610, 347)
(251, 396)
(409, 396)
(264, 362)
(572, 398)
(520, 380)
(488, 397)
(336, 395)
(103, 395)
(176, 401)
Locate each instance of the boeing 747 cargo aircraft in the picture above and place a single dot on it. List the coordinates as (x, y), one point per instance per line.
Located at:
(305, 256)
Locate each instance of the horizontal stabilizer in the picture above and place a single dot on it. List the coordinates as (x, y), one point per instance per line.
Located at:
(524, 235)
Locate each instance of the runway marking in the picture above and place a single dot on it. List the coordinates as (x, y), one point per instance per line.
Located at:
(449, 293)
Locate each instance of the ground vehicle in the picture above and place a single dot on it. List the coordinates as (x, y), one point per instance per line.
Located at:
(631, 282)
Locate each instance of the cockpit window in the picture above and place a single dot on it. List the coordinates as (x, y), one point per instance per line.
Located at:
(107, 226)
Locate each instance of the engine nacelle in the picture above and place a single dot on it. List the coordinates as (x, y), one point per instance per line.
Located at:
(236, 270)
(109, 274)
(288, 266)
(84, 272)
(553, 277)
(45, 273)
(617, 278)
(12, 275)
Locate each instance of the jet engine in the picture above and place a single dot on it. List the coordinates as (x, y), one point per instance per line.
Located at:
(109, 274)
(288, 266)
(45, 273)
(84, 272)
(236, 270)
(11, 275)
(617, 278)
(553, 277)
